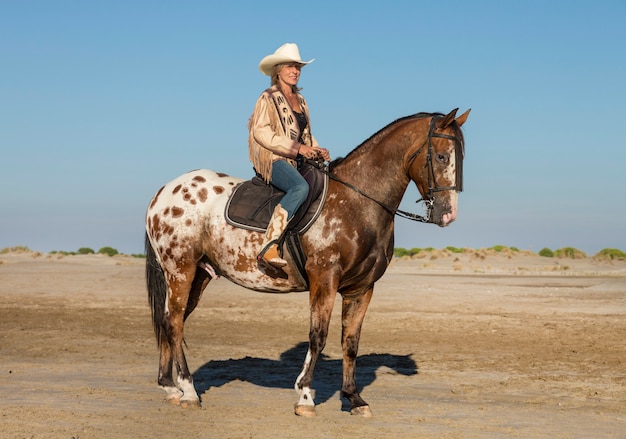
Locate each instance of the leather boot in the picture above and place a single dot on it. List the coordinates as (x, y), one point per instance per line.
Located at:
(276, 227)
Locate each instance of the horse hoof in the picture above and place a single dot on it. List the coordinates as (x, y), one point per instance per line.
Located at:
(172, 400)
(190, 403)
(306, 411)
(363, 411)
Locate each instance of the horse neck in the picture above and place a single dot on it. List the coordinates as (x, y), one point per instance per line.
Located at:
(377, 165)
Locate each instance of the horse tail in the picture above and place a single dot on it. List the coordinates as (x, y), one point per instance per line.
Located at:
(157, 290)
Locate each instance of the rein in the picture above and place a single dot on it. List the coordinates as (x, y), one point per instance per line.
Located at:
(392, 210)
(432, 183)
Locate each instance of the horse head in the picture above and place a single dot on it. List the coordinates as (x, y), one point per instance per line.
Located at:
(436, 166)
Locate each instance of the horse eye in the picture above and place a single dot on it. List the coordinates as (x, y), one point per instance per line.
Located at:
(442, 158)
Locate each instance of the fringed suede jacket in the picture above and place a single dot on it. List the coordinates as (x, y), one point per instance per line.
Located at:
(274, 132)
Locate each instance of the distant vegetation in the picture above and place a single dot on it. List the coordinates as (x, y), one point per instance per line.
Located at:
(108, 251)
(16, 249)
(563, 253)
(546, 252)
(611, 253)
(570, 253)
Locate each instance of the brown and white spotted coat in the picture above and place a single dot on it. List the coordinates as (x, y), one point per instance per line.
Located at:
(193, 206)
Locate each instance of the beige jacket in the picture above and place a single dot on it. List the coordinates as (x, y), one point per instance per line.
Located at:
(273, 132)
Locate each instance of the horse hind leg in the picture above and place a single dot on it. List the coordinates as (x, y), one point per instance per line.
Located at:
(158, 288)
(183, 298)
(166, 380)
(174, 395)
(353, 313)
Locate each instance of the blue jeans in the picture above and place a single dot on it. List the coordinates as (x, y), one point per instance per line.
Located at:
(287, 178)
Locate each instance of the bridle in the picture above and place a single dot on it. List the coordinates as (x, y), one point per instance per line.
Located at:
(433, 187)
(432, 182)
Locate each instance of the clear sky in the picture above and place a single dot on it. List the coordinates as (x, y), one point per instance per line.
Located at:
(103, 102)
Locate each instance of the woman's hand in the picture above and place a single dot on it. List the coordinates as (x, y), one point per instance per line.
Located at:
(313, 152)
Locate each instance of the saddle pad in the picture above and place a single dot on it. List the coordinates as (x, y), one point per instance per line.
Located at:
(252, 202)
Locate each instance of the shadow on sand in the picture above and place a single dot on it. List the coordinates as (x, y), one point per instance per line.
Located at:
(283, 373)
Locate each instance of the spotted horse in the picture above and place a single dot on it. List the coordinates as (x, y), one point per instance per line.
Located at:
(347, 249)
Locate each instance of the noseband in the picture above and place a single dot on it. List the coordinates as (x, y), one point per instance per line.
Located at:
(432, 181)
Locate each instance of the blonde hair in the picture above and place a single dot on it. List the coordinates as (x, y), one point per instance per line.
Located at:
(274, 76)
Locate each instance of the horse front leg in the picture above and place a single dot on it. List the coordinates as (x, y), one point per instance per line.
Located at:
(353, 312)
(322, 301)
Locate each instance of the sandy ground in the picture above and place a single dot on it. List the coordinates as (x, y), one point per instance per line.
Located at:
(454, 346)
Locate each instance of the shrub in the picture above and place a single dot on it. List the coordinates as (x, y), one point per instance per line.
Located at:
(85, 251)
(611, 253)
(497, 248)
(454, 249)
(107, 251)
(546, 252)
(570, 252)
(16, 249)
(399, 252)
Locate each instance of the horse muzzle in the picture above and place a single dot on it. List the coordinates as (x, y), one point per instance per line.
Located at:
(443, 212)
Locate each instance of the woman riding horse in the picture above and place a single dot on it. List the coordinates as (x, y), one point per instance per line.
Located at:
(280, 135)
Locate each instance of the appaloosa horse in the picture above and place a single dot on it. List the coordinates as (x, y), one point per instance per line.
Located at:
(347, 249)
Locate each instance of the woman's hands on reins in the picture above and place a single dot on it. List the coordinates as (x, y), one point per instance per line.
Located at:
(314, 152)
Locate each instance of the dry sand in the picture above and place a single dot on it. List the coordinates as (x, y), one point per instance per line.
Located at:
(476, 345)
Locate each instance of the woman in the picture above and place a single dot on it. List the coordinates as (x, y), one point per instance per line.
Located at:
(280, 134)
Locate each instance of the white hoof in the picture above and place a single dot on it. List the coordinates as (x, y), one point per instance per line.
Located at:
(306, 411)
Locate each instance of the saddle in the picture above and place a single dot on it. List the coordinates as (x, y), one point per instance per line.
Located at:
(252, 203)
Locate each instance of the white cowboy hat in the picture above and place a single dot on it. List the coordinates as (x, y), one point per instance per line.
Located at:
(286, 53)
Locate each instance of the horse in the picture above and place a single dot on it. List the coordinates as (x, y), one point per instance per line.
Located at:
(348, 248)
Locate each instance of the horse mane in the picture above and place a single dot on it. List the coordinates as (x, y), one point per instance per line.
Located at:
(421, 115)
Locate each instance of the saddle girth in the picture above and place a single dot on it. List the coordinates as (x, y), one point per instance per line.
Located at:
(252, 203)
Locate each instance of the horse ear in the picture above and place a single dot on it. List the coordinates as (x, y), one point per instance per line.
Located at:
(463, 117)
(445, 121)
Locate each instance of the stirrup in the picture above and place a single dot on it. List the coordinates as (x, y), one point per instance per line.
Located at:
(271, 256)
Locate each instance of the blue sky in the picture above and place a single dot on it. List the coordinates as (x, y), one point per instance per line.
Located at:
(103, 102)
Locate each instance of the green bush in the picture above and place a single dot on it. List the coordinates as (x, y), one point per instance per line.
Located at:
(611, 253)
(399, 252)
(16, 249)
(497, 248)
(107, 251)
(570, 253)
(454, 249)
(546, 252)
(85, 251)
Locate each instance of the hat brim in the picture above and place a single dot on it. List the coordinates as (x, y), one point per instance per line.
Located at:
(270, 61)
